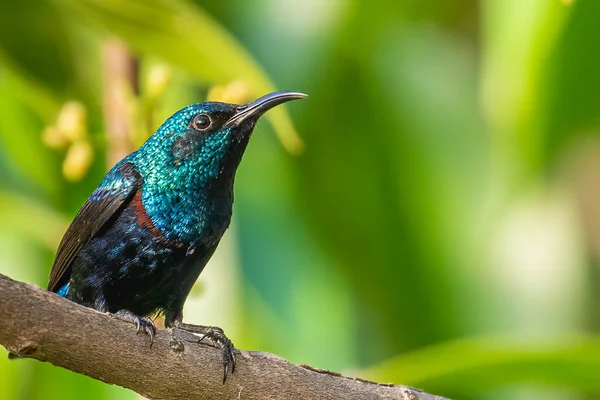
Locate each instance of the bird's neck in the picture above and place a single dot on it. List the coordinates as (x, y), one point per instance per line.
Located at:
(190, 203)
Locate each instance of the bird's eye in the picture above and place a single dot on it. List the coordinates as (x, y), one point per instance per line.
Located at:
(201, 122)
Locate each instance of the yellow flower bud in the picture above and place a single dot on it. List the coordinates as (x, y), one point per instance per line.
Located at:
(72, 121)
(158, 80)
(53, 138)
(235, 92)
(78, 160)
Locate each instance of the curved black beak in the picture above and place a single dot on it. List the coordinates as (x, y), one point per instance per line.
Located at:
(261, 105)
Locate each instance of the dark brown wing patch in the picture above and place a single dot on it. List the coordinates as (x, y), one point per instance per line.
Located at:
(123, 182)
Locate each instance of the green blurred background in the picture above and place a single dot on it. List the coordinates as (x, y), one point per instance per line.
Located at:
(438, 227)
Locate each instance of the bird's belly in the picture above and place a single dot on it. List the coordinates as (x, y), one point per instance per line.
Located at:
(132, 267)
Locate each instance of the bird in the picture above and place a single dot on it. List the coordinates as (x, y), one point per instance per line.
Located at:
(142, 238)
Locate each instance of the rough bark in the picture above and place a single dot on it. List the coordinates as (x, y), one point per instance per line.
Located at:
(41, 325)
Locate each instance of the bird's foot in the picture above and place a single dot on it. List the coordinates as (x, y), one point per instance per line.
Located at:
(214, 334)
(144, 324)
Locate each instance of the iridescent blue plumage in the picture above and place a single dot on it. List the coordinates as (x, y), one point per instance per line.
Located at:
(177, 176)
(140, 241)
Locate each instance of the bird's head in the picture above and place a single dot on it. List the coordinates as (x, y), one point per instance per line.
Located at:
(203, 141)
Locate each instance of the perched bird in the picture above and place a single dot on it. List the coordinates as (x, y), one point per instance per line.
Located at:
(140, 241)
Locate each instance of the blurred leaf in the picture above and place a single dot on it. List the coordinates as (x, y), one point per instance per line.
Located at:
(391, 177)
(292, 288)
(33, 219)
(20, 132)
(35, 41)
(570, 98)
(518, 37)
(469, 367)
(186, 36)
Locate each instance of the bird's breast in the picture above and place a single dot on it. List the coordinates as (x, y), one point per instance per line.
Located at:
(183, 216)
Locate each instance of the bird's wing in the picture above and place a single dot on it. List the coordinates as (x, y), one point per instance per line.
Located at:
(115, 191)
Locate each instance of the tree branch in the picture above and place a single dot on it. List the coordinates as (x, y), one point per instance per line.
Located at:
(41, 325)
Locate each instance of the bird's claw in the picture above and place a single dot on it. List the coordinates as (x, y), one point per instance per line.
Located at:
(144, 324)
(149, 328)
(216, 335)
(227, 349)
